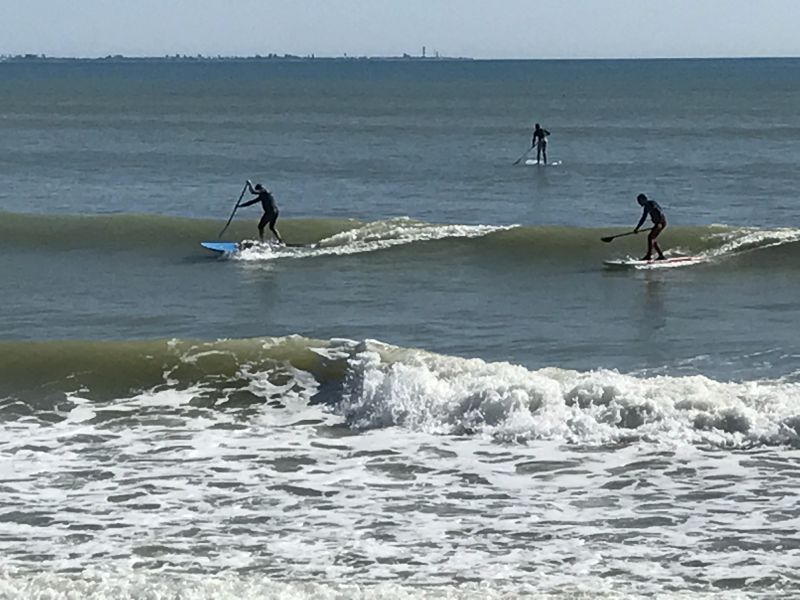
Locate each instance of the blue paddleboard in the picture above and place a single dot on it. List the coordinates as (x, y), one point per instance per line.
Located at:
(221, 247)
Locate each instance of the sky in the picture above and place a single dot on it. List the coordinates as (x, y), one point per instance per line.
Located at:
(470, 28)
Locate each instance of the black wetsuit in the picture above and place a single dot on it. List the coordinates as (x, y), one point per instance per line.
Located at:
(540, 141)
(270, 215)
(539, 137)
(651, 207)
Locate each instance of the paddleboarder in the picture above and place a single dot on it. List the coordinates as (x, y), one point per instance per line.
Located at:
(651, 208)
(539, 140)
(270, 207)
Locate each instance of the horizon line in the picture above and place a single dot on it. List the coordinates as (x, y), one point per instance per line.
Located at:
(29, 56)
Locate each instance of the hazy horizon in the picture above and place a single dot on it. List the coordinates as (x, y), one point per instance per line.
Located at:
(570, 29)
(409, 56)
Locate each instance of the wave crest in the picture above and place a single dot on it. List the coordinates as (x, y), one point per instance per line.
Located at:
(720, 245)
(455, 396)
(372, 385)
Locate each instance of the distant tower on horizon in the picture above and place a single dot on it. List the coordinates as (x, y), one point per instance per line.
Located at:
(423, 52)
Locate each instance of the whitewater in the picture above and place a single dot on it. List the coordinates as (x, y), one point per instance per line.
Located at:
(378, 463)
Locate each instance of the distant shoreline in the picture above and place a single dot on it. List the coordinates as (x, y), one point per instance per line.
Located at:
(32, 58)
(290, 58)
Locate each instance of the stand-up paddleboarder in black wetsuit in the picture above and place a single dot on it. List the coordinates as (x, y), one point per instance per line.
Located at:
(270, 207)
(540, 141)
(651, 207)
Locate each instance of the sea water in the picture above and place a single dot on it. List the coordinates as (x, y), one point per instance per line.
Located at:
(446, 394)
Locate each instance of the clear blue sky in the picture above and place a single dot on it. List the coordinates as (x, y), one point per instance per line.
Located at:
(476, 28)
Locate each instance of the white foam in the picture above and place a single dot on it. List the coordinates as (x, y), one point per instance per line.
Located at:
(741, 240)
(471, 480)
(438, 394)
(378, 235)
(731, 242)
(129, 585)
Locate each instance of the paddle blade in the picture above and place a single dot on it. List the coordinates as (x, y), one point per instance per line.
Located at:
(608, 238)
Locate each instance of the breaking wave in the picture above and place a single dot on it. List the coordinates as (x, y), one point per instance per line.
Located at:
(372, 385)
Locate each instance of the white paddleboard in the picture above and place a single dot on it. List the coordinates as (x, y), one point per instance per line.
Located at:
(532, 161)
(667, 263)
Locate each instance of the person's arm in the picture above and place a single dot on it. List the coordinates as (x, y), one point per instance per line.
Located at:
(644, 216)
(252, 191)
(546, 132)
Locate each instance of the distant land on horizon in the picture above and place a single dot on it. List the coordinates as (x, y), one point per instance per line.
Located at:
(274, 57)
(220, 57)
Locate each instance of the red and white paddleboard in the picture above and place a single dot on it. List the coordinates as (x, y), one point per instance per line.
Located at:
(635, 263)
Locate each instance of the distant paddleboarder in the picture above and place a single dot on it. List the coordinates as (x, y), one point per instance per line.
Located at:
(270, 207)
(539, 141)
(651, 208)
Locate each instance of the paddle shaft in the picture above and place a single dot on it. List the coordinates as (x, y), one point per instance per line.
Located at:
(613, 237)
(244, 189)
(516, 162)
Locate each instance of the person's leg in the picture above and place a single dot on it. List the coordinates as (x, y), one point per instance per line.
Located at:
(652, 244)
(650, 241)
(544, 152)
(272, 227)
(275, 232)
(657, 231)
(265, 218)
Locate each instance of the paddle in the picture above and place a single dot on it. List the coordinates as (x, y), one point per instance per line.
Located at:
(516, 162)
(612, 237)
(244, 189)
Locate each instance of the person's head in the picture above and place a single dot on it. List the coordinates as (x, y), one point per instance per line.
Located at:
(259, 188)
(641, 199)
(536, 126)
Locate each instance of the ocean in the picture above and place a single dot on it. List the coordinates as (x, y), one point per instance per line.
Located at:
(442, 392)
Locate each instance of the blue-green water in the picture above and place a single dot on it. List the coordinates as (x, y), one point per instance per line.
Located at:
(452, 335)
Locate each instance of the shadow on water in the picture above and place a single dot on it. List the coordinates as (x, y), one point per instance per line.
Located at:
(199, 258)
(653, 302)
(651, 319)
